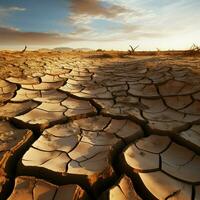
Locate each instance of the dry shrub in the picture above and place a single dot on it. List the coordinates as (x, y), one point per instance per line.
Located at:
(104, 55)
(193, 51)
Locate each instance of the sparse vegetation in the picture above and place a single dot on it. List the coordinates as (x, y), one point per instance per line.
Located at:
(104, 55)
(193, 51)
(24, 49)
(99, 50)
(132, 51)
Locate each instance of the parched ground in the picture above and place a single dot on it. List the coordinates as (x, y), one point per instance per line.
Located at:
(84, 126)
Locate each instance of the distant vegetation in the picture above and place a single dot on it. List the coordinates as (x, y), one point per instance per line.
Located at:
(193, 51)
(71, 49)
(132, 51)
(24, 49)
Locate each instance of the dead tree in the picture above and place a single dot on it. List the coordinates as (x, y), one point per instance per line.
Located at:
(24, 49)
(193, 51)
(132, 51)
(195, 48)
(158, 51)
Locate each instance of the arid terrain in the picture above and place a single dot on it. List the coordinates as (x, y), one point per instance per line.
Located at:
(99, 125)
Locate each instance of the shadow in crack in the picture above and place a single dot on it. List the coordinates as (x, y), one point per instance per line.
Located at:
(160, 93)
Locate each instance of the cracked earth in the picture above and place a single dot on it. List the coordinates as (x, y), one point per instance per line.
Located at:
(73, 127)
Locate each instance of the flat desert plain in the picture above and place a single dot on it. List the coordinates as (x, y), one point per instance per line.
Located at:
(99, 126)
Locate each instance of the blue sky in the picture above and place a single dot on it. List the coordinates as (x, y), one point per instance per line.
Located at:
(38, 16)
(111, 24)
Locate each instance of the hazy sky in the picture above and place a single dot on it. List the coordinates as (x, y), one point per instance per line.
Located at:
(106, 24)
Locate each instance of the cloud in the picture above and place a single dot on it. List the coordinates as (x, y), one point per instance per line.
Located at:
(12, 37)
(86, 12)
(96, 8)
(135, 19)
(5, 11)
(11, 9)
(110, 21)
(15, 8)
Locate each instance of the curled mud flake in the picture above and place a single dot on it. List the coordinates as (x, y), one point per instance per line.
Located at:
(122, 190)
(31, 188)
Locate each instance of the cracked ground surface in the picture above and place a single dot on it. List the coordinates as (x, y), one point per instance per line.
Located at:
(74, 127)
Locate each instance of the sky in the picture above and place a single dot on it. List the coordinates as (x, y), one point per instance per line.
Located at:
(105, 24)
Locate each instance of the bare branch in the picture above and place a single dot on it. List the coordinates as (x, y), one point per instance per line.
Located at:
(132, 49)
(24, 49)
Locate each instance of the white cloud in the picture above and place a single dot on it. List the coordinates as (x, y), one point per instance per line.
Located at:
(11, 36)
(156, 21)
(150, 23)
(7, 11)
(84, 13)
(15, 8)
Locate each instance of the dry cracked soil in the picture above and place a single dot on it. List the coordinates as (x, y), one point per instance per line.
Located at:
(75, 127)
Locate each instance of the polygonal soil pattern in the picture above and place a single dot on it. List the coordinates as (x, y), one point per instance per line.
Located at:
(76, 127)
(12, 141)
(83, 147)
(30, 188)
(166, 169)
